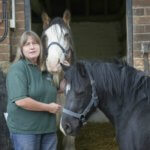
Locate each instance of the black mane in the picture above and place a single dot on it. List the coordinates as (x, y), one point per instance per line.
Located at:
(116, 78)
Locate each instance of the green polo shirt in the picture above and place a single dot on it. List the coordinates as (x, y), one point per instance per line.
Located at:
(26, 80)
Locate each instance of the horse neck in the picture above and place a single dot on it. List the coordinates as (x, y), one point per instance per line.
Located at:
(107, 90)
(119, 89)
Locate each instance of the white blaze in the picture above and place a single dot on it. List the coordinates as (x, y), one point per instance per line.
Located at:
(55, 53)
(61, 128)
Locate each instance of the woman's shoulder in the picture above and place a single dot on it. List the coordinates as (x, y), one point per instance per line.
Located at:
(19, 65)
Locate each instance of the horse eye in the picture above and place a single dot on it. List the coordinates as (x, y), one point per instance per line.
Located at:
(79, 93)
(66, 36)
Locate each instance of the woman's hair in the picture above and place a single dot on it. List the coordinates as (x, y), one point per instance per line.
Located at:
(23, 40)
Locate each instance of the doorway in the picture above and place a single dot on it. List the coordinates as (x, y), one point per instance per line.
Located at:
(99, 27)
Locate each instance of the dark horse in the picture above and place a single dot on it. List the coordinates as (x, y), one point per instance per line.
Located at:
(116, 88)
(5, 143)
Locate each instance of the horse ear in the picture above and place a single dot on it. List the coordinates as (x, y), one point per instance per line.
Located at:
(81, 69)
(46, 20)
(67, 17)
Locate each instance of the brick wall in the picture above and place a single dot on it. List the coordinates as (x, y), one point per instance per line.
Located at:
(141, 30)
(4, 45)
(20, 27)
(9, 45)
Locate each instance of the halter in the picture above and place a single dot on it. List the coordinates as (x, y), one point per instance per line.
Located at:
(56, 43)
(93, 102)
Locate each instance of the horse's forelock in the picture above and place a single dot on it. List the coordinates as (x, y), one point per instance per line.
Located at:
(57, 20)
(75, 79)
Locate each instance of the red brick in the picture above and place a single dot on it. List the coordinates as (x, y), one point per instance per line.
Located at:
(141, 37)
(147, 28)
(4, 57)
(20, 16)
(141, 20)
(1, 14)
(2, 25)
(19, 1)
(0, 5)
(147, 11)
(19, 7)
(138, 12)
(20, 24)
(141, 3)
(4, 48)
(6, 41)
(1, 31)
(1, 20)
(138, 28)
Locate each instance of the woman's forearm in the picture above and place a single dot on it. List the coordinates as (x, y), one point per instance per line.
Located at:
(33, 105)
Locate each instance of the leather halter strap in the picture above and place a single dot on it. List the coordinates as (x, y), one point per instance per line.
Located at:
(56, 43)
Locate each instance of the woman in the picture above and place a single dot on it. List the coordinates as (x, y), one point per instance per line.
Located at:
(31, 99)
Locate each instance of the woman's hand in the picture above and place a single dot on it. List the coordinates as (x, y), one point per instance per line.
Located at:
(54, 108)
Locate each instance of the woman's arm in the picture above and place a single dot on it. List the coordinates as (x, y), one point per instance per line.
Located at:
(33, 105)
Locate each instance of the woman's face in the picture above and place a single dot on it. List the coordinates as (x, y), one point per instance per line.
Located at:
(31, 50)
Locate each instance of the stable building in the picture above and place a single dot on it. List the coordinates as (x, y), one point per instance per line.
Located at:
(101, 29)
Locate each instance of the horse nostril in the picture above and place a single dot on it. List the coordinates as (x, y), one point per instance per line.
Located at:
(67, 128)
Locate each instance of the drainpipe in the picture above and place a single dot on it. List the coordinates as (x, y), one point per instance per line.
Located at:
(13, 18)
(27, 10)
(129, 24)
(5, 19)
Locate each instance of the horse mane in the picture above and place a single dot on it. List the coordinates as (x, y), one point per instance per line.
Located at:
(114, 77)
(59, 21)
(118, 78)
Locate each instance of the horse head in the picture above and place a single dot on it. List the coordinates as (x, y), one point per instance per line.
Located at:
(80, 98)
(57, 43)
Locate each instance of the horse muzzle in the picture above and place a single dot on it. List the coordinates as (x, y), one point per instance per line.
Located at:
(69, 127)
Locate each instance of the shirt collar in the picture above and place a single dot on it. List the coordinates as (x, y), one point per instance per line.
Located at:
(29, 62)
